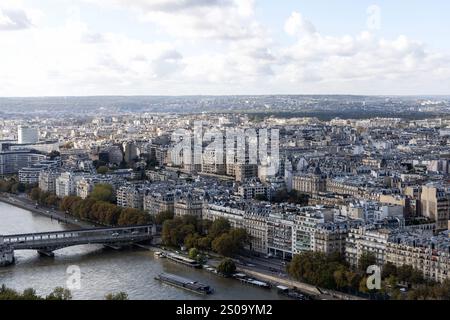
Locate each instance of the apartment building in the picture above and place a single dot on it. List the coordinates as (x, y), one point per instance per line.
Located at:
(331, 237)
(312, 183)
(47, 180)
(305, 226)
(252, 190)
(366, 239)
(131, 196)
(256, 227)
(66, 184)
(188, 205)
(232, 211)
(30, 175)
(157, 202)
(435, 204)
(431, 256)
(341, 186)
(280, 235)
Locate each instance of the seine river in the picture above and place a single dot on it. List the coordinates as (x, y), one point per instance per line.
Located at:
(105, 270)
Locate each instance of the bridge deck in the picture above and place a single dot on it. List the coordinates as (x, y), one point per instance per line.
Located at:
(60, 239)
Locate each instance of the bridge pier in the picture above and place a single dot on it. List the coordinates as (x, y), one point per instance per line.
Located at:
(6, 256)
(113, 246)
(46, 253)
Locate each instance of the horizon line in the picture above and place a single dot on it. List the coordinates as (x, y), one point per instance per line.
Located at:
(226, 95)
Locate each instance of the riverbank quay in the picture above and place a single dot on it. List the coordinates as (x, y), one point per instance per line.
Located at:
(317, 293)
(27, 204)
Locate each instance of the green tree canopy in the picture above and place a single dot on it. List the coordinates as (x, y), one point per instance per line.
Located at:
(60, 293)
(224, 245)
(219, 227)
(163, 216)
(367, 259)
(130, 217)
(227, 267)
(193, 253)
(102, 170)
(103, 192)
(117, 296)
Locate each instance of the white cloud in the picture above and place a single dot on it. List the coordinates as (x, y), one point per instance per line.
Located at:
(74, 59)
(13, 18)
(363, 62)
(297, 25)
(210, 19)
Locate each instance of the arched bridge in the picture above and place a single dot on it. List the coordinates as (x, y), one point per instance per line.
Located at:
(47, 242)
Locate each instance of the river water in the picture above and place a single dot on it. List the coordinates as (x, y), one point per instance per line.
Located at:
(105, 270)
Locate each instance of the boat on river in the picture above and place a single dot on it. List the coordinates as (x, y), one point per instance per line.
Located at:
(185, 283)
(183, 260)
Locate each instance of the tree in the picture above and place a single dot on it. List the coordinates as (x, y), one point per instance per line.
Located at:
(54, 154)
(407, 274)
(227, 267)
(35, 194)
(219, 227)
(367, 259)
(18, 188)
(163, 216)
(117, 296)
(391, 282)
(340, 278)
(192, 220)
(389, 269)
(103, 192)
(224, 245)
(111, 215)
(353, 279)
(363, 285)
(204, 243)
(30, 294)
(170, 233)
(191, 241)
(240, 237)
(442, 291)
(420, 293)
(8, 294)
(193, 253)
(7, 185)
(68, 202)
(102, 170)
(315, 268)
(51, 200)
(130, 217)
(60, 293)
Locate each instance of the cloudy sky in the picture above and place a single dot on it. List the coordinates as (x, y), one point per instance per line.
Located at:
(189, 47)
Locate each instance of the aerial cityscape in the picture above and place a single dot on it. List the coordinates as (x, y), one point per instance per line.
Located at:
(241, 192)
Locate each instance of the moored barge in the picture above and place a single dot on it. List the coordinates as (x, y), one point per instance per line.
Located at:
(184, 283)
(183, 260)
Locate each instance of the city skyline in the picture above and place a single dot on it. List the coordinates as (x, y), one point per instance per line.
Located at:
(221, 157)
(165, 47)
